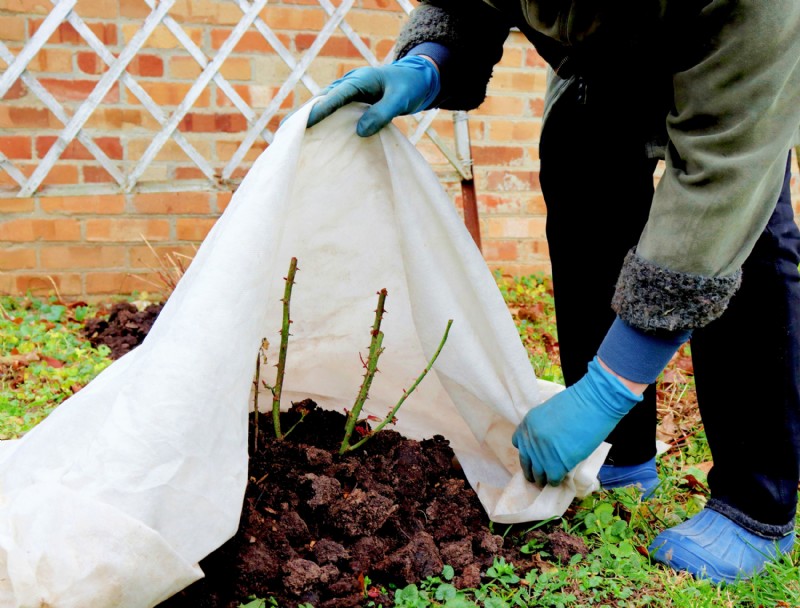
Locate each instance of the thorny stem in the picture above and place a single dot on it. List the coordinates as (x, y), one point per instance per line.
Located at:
(256, 382)
(390, 416)
(276, 390)
(375, 350)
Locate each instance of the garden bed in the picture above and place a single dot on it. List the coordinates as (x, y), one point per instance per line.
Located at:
(337, 531)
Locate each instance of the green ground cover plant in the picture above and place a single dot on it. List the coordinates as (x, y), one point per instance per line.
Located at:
(44, 359)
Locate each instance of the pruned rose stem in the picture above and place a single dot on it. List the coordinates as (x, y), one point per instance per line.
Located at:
(276, 390)
(390, 416)
(256, 382)
(371, 366)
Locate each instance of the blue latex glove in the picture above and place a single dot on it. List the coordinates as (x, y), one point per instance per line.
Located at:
(555, 436)
(403, 87)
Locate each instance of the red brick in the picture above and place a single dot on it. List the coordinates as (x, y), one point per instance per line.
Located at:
(97, 9)
(29, 230)
(87, 204)
(47, 284)
(149, 66)
(34, 7)
(192, 229)
(16, 146)
(96, 175)
(90, 63)
(16, 205)
(336, 46)
(133, 9)
(186, 173)
(173, 203)
(510, 181)
(12, 29)
(18, 90)
(126, 230)
(77, 90)
(497, 155)
(61, 174)
(17, 258)
(493, 203)
(250, 42)
(500, 251)
(290, 18)
(22, 118)
(115, 283)
(81, 256)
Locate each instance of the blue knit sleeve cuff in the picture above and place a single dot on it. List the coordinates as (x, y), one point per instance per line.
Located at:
(637, 355)
(443, 57)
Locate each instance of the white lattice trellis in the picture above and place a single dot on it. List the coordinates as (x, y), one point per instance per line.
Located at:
(128, 177)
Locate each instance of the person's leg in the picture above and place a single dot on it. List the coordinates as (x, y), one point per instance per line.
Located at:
(747, 371)
(598, 187)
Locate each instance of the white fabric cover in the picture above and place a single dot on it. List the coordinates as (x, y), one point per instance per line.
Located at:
(115, 497)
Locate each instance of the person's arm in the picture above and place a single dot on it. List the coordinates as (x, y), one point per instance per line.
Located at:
(445, 55)
(736, 110)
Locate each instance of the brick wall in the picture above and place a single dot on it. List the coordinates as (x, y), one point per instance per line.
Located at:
(100, 242)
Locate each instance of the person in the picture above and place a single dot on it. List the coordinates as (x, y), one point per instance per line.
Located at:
(710, 255)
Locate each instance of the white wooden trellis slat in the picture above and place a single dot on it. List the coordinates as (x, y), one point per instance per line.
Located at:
(202, 61)
(288, 86)
(151, 106)
(280, 49)
(12, 171)
(58, 111)
(95, 97)
(32, 47)
(194, 92)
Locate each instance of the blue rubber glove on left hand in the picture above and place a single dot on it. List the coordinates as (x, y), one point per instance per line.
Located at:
(555, 436)
(403, 87)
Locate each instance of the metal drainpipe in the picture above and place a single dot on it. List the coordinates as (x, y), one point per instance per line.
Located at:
(464, 155)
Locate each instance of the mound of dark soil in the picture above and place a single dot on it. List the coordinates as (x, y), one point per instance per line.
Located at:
(315, 524)
(124, 329)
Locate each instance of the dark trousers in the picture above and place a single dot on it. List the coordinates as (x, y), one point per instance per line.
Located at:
(598, 186)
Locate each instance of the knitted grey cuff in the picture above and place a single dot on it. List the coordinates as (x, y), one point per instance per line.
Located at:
(427, 24)
(652, 297)
(770, 531)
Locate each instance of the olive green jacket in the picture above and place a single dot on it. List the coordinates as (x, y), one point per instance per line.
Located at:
(731, 112)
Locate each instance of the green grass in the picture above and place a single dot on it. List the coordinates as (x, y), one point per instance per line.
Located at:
(45, 360)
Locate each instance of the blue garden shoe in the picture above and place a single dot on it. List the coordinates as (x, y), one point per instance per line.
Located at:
(643, 476)
(709, 545)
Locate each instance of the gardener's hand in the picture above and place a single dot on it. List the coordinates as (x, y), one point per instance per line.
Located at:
(555, 436)
(403, 87)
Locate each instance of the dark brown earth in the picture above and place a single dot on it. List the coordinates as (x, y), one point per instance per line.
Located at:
(316, 526)
(124, 329)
